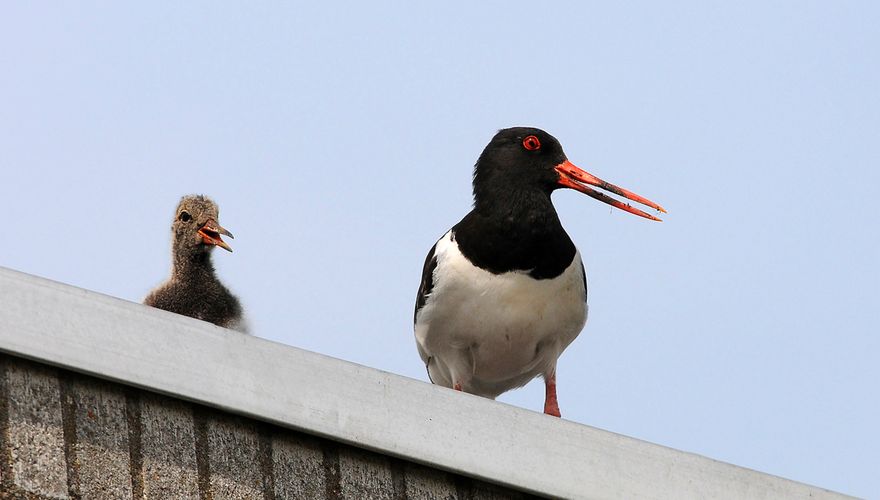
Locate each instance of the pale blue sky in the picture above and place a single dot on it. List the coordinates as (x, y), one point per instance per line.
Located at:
(339, 141)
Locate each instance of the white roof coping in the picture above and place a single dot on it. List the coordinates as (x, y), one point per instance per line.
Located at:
(152, 349)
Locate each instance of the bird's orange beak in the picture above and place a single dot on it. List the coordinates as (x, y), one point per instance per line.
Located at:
(571, 176)
(210, 233)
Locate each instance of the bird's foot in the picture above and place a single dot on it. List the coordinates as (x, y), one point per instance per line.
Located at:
(551, 404)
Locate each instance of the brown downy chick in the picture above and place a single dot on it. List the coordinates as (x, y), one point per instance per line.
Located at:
(193, 289)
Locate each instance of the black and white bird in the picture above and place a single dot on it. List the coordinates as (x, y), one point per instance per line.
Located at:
(193, 288)
(504, 291)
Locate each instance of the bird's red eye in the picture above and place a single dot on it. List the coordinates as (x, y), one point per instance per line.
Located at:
(531, 143)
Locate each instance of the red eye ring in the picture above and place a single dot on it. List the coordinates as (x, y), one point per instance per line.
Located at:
(532, 143)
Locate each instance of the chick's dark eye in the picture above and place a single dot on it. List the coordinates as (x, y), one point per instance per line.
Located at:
(184, 216)
(532, 143)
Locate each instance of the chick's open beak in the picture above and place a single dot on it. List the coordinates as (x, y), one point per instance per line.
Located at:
(210, 233)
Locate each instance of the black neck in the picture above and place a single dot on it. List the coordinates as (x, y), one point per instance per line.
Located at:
(515, 231)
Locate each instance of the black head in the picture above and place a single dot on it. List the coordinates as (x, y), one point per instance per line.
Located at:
(195, 228)
(518, 159)
(522, 162)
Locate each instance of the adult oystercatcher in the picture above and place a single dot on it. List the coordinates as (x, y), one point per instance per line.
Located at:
(194, 289)
(504, 291)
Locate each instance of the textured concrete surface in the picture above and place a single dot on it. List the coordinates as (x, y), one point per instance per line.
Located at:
(483, 491)
(233, 458)
(168, 448)
(35, 435)
(101, 449)
(423, 483)
(365, 475)
(298, 462)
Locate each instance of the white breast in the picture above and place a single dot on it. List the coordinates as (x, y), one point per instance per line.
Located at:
(493, 333)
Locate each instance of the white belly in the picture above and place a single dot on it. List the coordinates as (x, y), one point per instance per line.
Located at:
(492, 333)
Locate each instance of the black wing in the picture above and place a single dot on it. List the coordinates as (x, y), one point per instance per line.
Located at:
(427, 283)
(584, 274)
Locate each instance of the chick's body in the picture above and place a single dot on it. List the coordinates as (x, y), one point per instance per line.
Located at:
(193, 288)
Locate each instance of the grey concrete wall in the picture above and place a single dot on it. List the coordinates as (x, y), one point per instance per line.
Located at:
(67, 435)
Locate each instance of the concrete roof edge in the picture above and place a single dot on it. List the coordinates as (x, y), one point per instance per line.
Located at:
(144, 347)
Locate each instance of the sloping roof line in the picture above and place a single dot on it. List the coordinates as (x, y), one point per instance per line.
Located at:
(143, 347)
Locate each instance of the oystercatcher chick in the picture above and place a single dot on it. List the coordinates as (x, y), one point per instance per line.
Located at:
(504, 292)
(194, 289)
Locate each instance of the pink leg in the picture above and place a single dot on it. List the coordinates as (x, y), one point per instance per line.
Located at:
(551, 404)
(457, 386)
